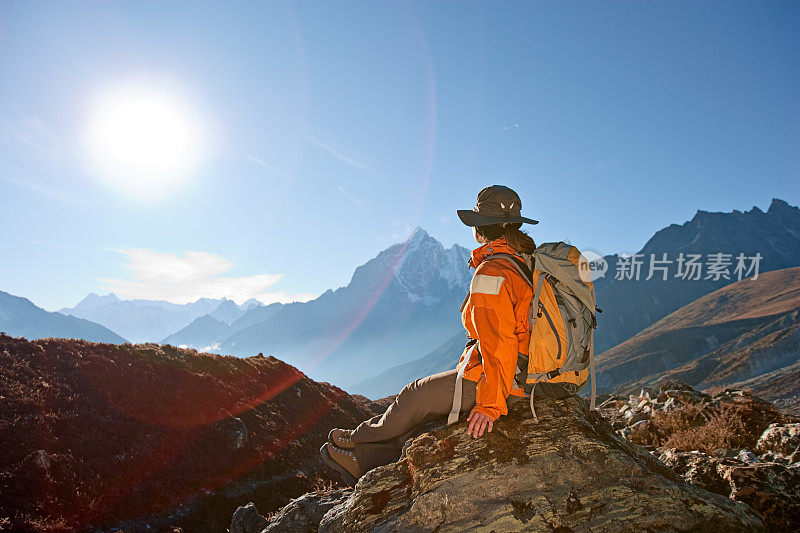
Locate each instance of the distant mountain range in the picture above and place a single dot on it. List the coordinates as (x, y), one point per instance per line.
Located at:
(152, 320)
(19, 317)
(400, 304)
(205, 332)
(630, 305)
(745, 334)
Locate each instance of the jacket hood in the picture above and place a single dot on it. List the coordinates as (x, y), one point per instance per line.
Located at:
(497, 246)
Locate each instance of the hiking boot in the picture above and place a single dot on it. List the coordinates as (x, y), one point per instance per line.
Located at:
(341, 438)
(341, 460)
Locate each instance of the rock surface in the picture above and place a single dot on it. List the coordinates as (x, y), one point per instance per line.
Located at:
(301, 514)
(769, 488)
(570, 472)
(780, 440)
(726, 426)
(246, 519)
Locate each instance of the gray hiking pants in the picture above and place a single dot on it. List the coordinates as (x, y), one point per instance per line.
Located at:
(379, 440)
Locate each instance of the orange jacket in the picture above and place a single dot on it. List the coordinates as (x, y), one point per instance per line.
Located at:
(496, 314)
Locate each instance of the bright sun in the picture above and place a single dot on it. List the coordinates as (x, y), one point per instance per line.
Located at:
(142, 142)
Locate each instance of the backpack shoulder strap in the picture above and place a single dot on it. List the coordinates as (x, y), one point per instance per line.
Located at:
(527, 274)
(518, 264)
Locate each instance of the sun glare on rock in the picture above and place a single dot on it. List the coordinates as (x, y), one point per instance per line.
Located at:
(141, 142)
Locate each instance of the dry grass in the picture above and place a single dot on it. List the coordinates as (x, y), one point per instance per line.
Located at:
(29, 522)
(135, 431)
(708, 427)
(324, 485)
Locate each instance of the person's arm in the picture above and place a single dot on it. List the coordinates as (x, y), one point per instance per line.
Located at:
(494, 321)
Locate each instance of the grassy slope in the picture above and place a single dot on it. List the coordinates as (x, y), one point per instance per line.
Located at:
(135, 429)
(723, 337)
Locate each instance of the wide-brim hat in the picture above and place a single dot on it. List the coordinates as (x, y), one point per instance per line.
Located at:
(497, 204)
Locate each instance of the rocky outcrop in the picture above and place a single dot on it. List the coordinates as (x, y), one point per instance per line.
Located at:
(726, 426)
(246, 519)
(770, 488)
(306, 512)
(569, 472)
(781, 440)
(302, 514)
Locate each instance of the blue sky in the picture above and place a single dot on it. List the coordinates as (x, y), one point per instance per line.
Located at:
(324, 132)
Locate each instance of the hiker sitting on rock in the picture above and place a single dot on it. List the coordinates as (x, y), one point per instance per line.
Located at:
(496, 317)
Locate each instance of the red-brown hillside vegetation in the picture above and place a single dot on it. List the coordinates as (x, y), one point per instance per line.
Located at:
(93, 434)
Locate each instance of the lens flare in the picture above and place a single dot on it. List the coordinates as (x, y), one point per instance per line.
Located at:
(142, 142)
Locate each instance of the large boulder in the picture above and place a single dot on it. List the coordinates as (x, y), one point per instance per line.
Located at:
(772, 489)
(782, 440)
(302, 514)
(569, 472)
(247, 519)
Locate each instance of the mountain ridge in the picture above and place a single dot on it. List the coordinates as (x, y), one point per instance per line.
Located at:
(22, 318)
(398, 304)
(141, 320)
(774, 234)
(737, 333)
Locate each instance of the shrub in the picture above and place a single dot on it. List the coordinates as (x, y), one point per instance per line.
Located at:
(728, 422)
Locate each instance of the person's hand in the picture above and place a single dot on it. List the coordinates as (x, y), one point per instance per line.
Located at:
(478, 422)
